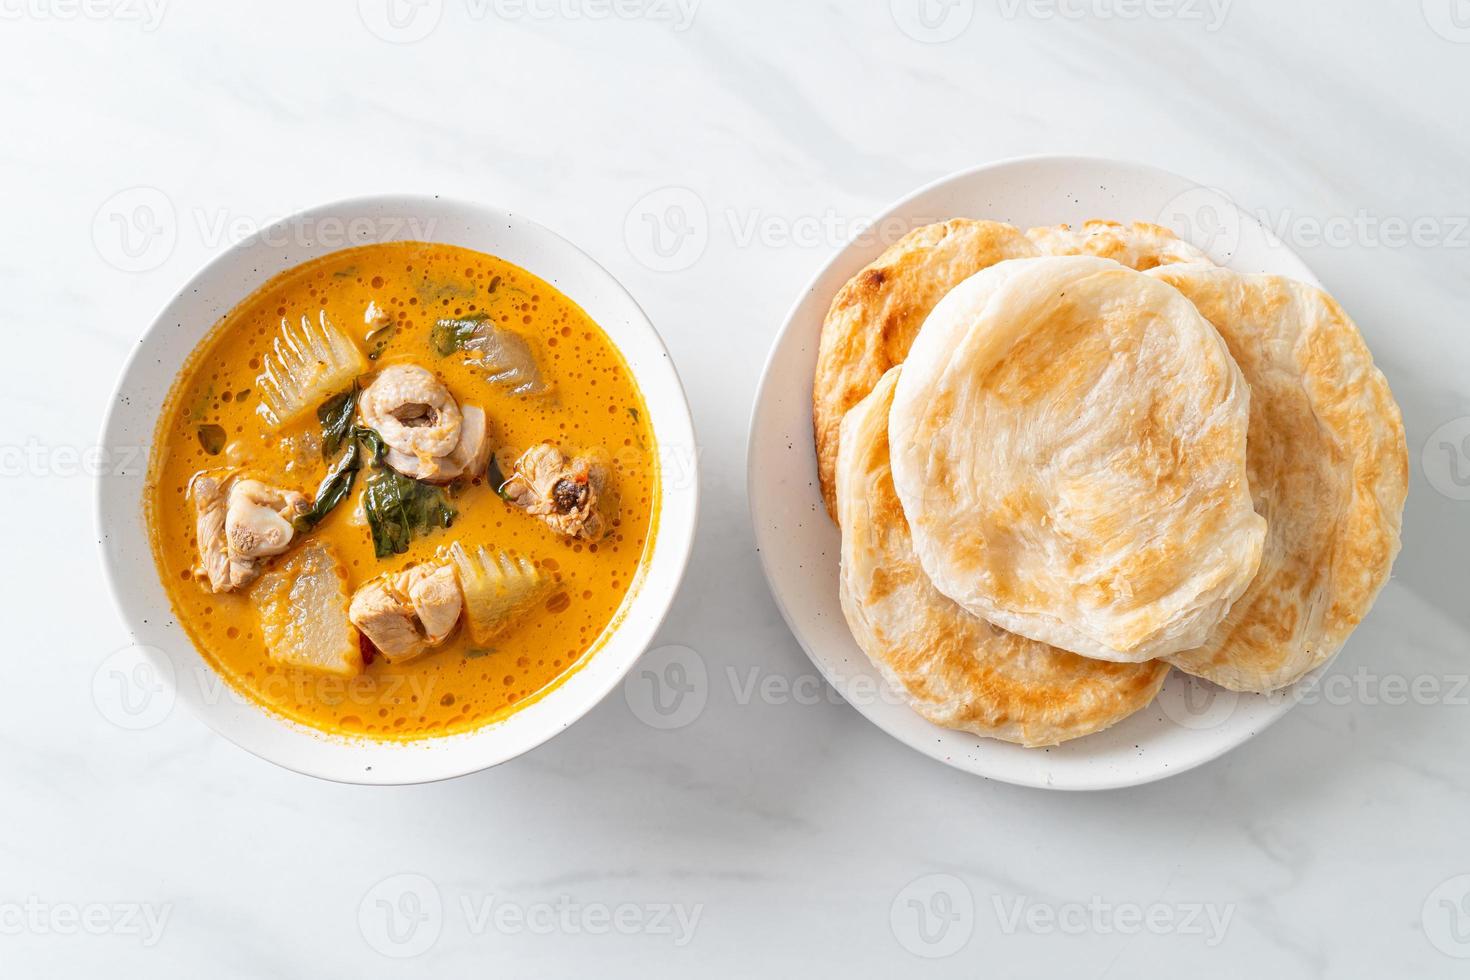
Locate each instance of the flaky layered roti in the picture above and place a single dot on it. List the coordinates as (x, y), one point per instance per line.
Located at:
(1068, 442)
(1138, 245)
(875, 316)
(1328, 470)
(956, 669)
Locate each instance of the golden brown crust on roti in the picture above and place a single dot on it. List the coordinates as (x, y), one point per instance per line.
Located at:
(1139, 245)
(1328, 469)
(875, 316)
(956, 669)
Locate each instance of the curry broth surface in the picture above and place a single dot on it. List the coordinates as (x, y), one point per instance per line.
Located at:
(594, 402)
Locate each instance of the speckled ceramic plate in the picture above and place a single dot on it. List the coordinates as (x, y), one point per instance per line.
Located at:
(1192, 721)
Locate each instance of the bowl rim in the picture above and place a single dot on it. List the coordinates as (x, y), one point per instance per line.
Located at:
(672, 546)
(1281, 701)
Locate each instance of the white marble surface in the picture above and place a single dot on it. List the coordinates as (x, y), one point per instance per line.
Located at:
(775, 833)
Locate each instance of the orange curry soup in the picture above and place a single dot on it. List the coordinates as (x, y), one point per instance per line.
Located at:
(212, 419)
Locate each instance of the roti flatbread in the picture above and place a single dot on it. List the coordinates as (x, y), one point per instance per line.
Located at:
(1328, 470)
(1068, 440)
(875, 316)
(1139, 245)
(955, 669)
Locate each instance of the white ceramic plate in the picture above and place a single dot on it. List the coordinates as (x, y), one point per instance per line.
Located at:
(162, 646)
(1192, 721)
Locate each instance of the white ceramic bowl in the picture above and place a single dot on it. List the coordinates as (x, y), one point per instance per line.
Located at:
(1192, 721)
(185, 321)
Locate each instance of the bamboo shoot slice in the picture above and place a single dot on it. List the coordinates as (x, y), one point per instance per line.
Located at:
(305, 366)
(498, 589)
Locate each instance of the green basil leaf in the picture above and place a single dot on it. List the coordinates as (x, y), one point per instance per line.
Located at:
(453, 333)
(397, 508)
(496, 476)
(371, 442)
(365, 447)
(335, 415)
(334, 488)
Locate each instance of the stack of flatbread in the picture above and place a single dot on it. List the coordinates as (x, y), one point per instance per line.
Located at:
(1066, 460)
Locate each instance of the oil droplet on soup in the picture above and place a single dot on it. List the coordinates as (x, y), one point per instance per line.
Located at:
(592, 403)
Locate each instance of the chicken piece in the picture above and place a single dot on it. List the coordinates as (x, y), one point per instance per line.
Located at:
(387, 619)
(405, 613)
(561, 492)
(241, 524)
(434, 591)
(413, 411)
(467, 459)
(258, 521)
(473, 451)
(209, 490)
